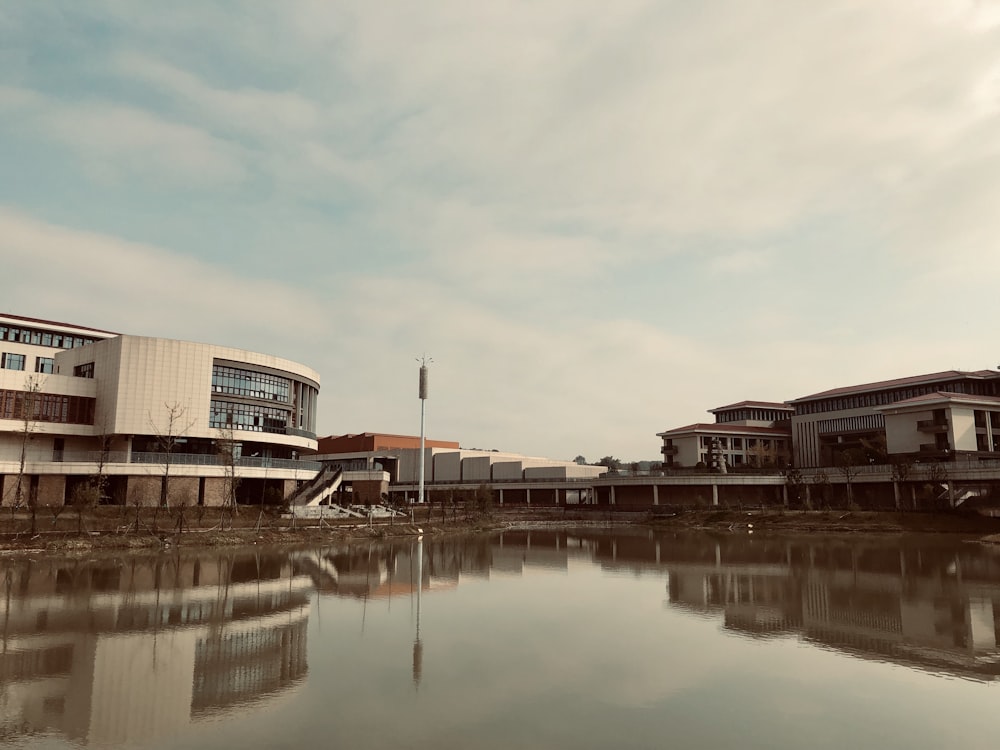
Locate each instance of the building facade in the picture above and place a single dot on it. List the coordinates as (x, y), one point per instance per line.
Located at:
(155, 419)
(829, 425)
(932, 417)
(746, 434)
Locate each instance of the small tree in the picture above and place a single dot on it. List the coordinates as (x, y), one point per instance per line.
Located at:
(483, 501)
(796, 484)
(228, 451)
(822, 482)
(611, 463)
(168, 435)
(848, 464)
(84, 497)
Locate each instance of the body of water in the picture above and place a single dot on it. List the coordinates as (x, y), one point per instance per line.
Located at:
(526, 639)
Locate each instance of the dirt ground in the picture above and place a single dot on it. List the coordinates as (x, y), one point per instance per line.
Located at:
(116, 528)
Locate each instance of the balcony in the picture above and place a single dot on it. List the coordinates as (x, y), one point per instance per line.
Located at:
(669, 450)
(932, 425)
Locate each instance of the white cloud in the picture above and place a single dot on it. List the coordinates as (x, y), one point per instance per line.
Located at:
(101, 281)
(532, 192)
(119, 142)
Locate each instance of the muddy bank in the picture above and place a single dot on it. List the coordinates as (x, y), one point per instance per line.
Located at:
(840, 521)
(109, 530)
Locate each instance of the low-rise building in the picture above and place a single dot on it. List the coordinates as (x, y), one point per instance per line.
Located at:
(745, 434)
(154, 420)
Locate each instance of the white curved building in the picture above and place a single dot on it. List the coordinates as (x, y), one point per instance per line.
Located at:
(76, 401)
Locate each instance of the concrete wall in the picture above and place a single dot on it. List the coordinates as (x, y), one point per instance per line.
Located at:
(901, 433)
(51, 490)
(215, 492)
(508, 470)
(146, 490)
(448, 466)
(962, 428)
(476, 469)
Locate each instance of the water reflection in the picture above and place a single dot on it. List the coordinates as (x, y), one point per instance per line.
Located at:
(122, 652)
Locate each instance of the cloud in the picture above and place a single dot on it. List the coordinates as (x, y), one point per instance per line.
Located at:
(741, 262)
(125, 143)
(95, 280)
(600, 221)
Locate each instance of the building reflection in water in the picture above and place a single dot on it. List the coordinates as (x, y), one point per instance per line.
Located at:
(923, 602)
(117, 652)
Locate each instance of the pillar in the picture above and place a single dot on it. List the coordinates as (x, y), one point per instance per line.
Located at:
(501, 495)
(656, 494)
(527, 495)
(612, 499)
(715, 494)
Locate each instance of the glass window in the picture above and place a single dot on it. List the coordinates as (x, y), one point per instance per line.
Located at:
(86, 370)
(235, 381)
(45, 365)
(11, 361)
(249, 417)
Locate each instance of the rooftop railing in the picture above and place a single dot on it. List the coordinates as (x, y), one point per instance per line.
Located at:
(185, 459)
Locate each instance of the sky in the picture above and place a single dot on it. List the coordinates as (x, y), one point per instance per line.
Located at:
(598, 219)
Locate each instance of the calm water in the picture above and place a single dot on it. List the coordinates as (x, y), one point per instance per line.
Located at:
(586, 639)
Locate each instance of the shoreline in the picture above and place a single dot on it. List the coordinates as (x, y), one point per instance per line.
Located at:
(275, 531)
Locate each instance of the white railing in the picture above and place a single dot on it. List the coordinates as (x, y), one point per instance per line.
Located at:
(185, 459)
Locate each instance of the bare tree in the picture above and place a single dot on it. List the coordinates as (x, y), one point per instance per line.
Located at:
(168, 435)
(83, 498)
(902, 467)
(28, 408)
(848, 465)
(228, 451)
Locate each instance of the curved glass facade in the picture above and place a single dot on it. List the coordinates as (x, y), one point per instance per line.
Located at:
(261, 401)
(235, 381)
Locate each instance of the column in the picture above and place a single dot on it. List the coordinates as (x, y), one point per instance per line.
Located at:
(656, 494)
(501, 495)
(715, 494)
(527, 495)
(612, 500)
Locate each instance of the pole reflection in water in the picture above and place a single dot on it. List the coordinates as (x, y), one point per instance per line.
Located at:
(561, 635)
(418, 646)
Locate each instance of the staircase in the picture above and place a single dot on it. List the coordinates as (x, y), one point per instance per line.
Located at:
(319, 489)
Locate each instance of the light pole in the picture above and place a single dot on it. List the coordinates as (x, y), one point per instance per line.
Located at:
(423, 400)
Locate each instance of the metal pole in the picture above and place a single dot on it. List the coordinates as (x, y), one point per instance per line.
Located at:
(420, 492)
(422, 392)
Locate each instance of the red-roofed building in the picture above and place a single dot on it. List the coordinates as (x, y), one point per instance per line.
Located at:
(828, 424)
(748, 433)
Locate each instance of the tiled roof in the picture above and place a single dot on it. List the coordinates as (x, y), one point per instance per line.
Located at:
(762, 404)
(901, 382)
(943, 396)
(56, 323)
(729, 429)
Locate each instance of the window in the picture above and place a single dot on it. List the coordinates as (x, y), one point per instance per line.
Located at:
(249, 417)
(86, 370)
(47, 407)
(737, 443)
(11, 361)
(234, 381)
(45, 365)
